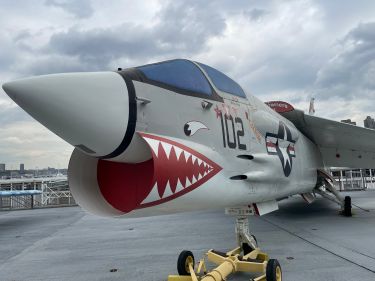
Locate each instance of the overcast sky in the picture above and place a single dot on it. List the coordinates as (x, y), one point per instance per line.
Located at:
(277, 50)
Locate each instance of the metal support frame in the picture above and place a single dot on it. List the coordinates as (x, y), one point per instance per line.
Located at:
(54, 192)
(50, 193)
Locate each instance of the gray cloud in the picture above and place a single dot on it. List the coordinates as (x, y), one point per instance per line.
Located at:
(30, 143)
(52, 63)
(256, 14)
(10, 115)
(79, 9)
(350, 73)
(182, 29)
(186, 25)
(99, 46)
(8, 52)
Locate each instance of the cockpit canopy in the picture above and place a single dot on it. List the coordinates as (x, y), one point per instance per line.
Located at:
(192, 77)
(223, 82)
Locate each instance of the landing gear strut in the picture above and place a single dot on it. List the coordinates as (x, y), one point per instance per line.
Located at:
(245, 240)
(247, 257)
(326, 188)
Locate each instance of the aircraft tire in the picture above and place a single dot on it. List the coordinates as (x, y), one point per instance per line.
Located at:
(348, 206)
(273, 270)
(183, 261)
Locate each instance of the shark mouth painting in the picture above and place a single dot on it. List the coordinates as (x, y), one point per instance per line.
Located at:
(173, 171)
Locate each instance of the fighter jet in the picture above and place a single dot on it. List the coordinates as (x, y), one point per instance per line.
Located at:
(179, 135)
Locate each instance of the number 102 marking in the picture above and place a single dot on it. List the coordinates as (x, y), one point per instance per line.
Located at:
(231, 136)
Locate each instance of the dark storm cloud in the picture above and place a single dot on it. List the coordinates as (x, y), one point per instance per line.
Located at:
(351, 73)
(79, 9)
(55, 64)
(255, 14)
(364, 32)
(182, 29)
(282, 73)
(99, 46)
(96, 48)
(187, 25)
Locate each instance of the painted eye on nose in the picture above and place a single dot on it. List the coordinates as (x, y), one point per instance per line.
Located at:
(190, 128)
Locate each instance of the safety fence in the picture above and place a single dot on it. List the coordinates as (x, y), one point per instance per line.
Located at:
(35, 193)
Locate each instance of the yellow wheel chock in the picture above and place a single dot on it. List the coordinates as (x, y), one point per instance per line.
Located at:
(255, 262)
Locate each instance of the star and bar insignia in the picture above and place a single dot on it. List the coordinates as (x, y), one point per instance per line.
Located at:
(282, 145)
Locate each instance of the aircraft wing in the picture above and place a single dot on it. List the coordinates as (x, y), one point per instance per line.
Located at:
(341, 144)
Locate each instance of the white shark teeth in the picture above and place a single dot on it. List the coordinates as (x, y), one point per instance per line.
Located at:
(193, 158)
(178, 151)
(197, 169)
(167, 191)
(152, 196)
(154, 144)
(167, 148)
(187, 155)
(179, 186)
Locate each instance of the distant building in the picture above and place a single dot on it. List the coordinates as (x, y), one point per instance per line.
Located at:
(369, 122)
(2, 167)
(348, 121)
(22, 168)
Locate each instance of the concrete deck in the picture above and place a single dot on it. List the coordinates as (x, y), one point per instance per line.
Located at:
(312, 242)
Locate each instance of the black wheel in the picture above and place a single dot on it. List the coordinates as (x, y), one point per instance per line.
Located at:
(183, 261)
(247, 248)
(348, 206)
(273, 271)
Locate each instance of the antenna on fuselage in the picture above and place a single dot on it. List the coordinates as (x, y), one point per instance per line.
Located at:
(311, 107)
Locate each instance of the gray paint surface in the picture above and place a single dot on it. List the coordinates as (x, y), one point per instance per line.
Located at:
(311, 242)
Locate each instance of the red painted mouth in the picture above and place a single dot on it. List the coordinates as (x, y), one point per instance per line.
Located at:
(173, 171)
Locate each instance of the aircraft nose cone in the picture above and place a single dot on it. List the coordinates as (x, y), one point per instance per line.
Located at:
(88, 110)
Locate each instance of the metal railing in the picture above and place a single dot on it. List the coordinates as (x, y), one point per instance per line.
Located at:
(55, 192)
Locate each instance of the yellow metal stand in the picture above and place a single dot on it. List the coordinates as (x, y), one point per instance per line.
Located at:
(227, 263)
(252, 261)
